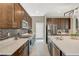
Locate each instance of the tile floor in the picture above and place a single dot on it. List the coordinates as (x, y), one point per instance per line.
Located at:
(39, 49)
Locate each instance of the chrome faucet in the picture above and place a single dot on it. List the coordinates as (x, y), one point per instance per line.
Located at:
(60, 38)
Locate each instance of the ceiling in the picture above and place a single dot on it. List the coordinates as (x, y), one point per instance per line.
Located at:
(49, 9)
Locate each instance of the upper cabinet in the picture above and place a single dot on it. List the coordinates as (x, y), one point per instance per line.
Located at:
(55, 25)
(6, 15)
(12, 14)
(28, 19)
(62, 23)
(18, 16)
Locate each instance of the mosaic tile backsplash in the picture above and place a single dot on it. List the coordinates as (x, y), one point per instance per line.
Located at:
(12, 32)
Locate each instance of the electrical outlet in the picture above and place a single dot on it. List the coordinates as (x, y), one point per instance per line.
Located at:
(8, 34)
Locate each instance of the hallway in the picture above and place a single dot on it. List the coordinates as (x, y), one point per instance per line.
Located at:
(39, 49)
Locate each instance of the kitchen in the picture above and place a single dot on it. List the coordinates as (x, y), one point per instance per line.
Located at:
(15, 30)
(48, 30)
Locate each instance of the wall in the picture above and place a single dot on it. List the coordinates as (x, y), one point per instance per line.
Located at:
(38, 19)
(73, 29)
(4, 33)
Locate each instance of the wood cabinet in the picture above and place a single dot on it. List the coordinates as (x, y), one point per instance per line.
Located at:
(50, 47)
(60, 22)
(28, 19)
(18, 16)
(12, 14)
(6, 15)
(23, 50)
(54, 50)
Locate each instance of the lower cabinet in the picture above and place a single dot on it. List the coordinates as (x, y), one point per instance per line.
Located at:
(23, 50)
(54, 50)
(50, 48)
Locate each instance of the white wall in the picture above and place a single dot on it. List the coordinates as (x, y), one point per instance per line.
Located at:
(73, 25)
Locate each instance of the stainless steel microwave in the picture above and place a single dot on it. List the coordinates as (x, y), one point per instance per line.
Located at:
(25, 24)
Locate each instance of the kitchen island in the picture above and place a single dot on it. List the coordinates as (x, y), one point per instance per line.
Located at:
(67, 46)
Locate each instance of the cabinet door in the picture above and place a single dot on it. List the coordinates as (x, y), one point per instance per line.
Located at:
(30, 22)
(50, 47)
(6, 15)
(18, 16)
(26, 49)
(56, 51)
(11, 15)
(28, 19)
(23, 50)
(52, 51)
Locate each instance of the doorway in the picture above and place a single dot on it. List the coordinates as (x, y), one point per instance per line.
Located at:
(39, 30)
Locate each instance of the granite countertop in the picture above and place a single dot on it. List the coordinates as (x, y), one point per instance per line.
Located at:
(10, 45)
(68, 46)
(26, 35)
